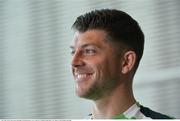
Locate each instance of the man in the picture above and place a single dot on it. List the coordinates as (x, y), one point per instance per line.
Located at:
(108, 46)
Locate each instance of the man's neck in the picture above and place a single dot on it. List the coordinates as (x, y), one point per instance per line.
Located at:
(116, 103)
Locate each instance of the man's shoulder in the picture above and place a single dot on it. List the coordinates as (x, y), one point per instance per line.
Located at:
(138, 111)
(153, 114)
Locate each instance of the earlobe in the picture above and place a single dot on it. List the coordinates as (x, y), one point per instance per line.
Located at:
(128, 61)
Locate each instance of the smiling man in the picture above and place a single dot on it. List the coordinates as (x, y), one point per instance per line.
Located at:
(106, 51)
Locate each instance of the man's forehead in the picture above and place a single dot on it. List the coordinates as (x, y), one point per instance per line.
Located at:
(90, 37)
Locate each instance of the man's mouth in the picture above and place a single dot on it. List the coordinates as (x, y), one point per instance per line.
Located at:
(83, 76)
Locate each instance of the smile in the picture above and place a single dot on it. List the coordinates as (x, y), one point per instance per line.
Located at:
(83, 76)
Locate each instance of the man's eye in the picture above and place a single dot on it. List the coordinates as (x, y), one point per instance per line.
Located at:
(90, 51)
(72, 52)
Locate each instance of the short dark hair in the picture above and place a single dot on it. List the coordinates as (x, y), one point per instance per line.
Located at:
(119, 26)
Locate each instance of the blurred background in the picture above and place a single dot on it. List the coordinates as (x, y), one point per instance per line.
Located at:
(35, 74)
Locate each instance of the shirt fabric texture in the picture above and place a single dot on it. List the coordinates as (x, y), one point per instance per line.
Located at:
(138, 111)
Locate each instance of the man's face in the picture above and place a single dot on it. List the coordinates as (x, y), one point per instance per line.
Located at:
(95, 64)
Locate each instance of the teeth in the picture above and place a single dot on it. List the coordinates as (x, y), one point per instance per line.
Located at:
(81, 76)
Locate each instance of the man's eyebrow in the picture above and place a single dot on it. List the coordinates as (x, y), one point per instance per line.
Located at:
(89, 44)
(72, 47)
(85, 45)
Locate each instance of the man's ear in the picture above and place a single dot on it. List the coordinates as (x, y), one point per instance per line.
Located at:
(129, 60)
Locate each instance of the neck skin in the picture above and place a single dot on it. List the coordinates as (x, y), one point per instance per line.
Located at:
(117, 102)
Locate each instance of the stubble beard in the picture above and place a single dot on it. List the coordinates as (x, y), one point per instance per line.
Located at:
(99, 90)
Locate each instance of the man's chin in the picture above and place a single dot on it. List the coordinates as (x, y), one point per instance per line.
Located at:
(80, 94)
(87, 95)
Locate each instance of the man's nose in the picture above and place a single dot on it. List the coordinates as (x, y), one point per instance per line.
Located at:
(77, 60)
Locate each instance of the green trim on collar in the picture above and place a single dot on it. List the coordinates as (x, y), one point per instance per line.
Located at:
(122, 116)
